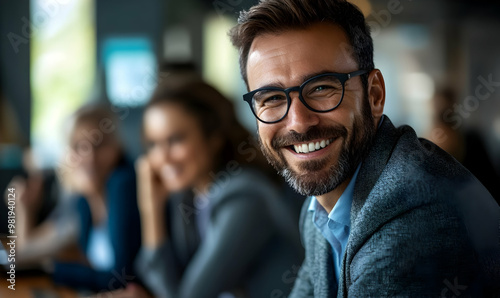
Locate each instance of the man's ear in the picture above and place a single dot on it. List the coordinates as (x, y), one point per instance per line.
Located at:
(376, 94)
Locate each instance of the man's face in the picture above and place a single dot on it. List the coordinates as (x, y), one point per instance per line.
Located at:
(287, 59)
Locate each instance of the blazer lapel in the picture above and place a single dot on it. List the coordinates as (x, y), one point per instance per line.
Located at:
(373, 165)
(370, 171)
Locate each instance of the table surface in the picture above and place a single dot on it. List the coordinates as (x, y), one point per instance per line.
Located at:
(34, 287)
(30, 285)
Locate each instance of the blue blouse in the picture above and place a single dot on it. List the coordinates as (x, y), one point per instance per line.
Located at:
(124, 235)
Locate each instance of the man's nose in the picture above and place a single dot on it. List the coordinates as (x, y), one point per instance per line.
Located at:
(299, 117)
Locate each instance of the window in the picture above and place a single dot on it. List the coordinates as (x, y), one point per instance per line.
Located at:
(62, 70)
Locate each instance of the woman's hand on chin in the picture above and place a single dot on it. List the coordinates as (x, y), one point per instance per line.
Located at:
(152, 194)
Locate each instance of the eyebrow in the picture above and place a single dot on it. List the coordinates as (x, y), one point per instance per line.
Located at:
(303, 78)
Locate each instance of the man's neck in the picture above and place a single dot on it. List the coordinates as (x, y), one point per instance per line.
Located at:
(328, 200)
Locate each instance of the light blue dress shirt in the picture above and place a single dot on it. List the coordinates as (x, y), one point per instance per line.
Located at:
(335, 226)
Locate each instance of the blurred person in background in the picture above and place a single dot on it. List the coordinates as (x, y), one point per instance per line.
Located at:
(466, 146)
(11, 142)
(213, 222)
(100, 216)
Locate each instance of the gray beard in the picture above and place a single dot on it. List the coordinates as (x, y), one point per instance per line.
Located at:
(315, 184)
(315, 179)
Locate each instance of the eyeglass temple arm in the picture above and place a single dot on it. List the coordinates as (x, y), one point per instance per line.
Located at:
(356, 73)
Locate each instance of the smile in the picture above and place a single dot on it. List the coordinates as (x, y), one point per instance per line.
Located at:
(169, 172)
(311, 146)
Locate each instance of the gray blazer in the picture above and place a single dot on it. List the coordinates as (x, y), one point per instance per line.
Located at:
(421, 225)
(251, 243)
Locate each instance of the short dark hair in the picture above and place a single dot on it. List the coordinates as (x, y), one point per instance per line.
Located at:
(275, 16)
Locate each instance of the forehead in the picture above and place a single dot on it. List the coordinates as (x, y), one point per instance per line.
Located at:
(163, 115)
(283, 59)
(163, 118)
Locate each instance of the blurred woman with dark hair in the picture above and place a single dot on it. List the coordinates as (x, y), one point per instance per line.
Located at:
(208, 204)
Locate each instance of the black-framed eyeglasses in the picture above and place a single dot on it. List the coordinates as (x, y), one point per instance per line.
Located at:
(322, 93)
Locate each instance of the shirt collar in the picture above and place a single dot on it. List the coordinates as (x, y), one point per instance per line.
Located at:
(341, 213)
(312, 204)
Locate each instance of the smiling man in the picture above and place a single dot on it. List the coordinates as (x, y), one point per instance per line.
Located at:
(386, 213)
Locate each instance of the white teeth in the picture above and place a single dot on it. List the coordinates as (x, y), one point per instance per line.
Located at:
(305, 148)
(310, 147)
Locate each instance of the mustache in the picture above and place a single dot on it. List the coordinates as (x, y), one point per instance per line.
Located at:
(314, 133)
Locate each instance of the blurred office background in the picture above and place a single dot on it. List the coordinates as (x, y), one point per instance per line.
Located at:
(58, 54)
